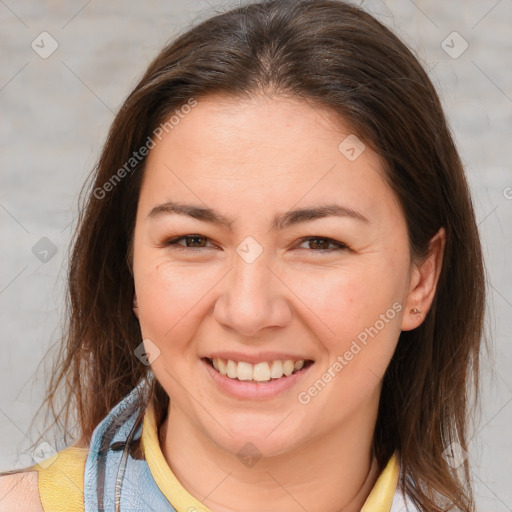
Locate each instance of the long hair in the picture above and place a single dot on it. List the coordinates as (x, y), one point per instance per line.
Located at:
(334, 55)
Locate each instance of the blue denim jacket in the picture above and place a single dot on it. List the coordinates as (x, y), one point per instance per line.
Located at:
(115, 478)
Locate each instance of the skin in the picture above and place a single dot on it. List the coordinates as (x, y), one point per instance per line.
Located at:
(251, 160)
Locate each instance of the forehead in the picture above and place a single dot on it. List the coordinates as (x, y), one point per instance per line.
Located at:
(220, 128)
(243, 154)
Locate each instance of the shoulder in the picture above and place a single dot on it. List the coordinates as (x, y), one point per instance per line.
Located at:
(61, 480)
(19, 492)
(55, 484)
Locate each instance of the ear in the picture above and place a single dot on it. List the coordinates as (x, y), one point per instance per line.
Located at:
(135, 306)
(423, 283)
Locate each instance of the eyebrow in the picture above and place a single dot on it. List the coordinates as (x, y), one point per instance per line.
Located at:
(279, 222)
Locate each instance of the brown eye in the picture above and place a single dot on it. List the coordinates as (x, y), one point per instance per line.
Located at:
(191, 242)
(321, 244)
(193, 239)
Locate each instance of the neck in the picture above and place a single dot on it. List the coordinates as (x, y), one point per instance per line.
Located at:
(333, 473)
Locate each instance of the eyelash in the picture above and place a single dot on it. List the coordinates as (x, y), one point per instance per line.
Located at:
(174, 242)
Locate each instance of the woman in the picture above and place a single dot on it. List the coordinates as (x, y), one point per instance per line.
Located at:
(276, 286)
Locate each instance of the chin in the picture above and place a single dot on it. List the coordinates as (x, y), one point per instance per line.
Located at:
(251, 435)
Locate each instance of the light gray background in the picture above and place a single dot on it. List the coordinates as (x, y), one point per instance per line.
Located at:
(55, 116)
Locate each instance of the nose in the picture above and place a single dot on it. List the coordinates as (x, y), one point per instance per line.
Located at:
(253, 298)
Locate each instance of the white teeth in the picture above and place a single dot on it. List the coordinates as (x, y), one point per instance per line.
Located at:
(231, 369)
(288, 367)
(259, 372)
(244, 371)
(222, 366)
(277, 370)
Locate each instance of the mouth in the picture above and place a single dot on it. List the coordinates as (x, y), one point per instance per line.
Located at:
(259, 373)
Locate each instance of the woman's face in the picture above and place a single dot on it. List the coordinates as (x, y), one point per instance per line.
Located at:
(259, 285)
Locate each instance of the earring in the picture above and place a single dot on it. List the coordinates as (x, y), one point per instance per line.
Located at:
(415, 311)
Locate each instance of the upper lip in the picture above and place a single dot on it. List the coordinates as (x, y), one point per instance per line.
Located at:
(260, 357)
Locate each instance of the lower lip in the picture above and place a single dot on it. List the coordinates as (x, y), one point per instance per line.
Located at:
(254, 390)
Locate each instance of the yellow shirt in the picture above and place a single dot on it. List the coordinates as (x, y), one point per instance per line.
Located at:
(61, 483)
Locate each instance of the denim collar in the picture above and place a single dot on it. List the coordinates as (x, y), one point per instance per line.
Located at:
(117, 476)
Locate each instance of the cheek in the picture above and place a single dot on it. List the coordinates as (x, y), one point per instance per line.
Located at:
(349, 299)
(171, 296)
(360, 309)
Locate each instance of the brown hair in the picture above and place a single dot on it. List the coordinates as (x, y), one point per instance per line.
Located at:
(335, 55)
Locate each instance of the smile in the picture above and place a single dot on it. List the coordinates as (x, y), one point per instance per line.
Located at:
(259, 372)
